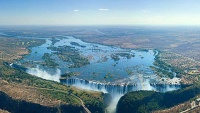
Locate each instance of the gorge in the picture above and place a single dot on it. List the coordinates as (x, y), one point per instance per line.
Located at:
(109, 69)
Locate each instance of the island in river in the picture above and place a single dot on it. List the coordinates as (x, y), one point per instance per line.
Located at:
(109, 69)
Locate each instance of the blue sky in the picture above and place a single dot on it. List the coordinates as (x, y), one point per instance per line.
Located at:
(99, 12)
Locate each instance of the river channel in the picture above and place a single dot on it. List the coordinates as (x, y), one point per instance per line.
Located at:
(110, 69)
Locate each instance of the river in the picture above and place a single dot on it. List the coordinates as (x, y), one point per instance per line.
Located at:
(103, 73)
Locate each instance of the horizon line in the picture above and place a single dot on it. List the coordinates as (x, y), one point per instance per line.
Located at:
(66, 25)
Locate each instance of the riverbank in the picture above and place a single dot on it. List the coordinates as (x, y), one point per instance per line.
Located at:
(47, 96)
(15, 48)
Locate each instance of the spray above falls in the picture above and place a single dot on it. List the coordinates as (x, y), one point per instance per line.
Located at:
(107, 69)
(39, 72)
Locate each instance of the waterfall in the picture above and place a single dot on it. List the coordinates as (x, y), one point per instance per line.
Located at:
(119, 88)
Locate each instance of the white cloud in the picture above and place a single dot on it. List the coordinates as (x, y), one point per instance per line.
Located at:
(76, 10)
(103, 9)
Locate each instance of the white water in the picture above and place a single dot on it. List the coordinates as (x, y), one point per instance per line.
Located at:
(117, 90)
(44, 74)
(136, 64)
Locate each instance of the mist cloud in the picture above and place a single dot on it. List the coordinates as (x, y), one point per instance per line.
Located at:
(44, 74)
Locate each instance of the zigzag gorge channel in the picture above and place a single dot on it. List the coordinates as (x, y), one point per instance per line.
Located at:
(107, 69)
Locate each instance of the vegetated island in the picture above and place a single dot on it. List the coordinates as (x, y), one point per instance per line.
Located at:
(178, 50)
(70, 54)
(48, 61)
(22, 93)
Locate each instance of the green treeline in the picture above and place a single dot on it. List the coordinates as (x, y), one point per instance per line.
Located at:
(164, 67)
(21, 106)
(54, 90)
(147, 101)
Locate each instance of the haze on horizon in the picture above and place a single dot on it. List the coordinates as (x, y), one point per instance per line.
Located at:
(99, 12)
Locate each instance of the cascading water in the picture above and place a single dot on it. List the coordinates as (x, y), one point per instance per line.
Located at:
(124, 70)
(103, 87)
(118, 90)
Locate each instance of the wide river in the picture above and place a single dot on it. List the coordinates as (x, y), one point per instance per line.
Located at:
(103, 72)
(101, 63)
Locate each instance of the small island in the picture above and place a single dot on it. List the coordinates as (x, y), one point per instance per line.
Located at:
(70, 54)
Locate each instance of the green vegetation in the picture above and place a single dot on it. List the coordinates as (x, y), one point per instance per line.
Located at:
(162, 72)
(14, 48)
(164, 67)
(77, 44)
(103, 59)
(148, 101)
(50, 89)
(115, 57)
(54, 90)
(70, 74)
(129, 71)
(63, 96)
(48, 61)
(108, 75)
(127, 55)
(21, 106)
(18, 106)
(70, 54)
(140, 101)
(144, 50)
(54, 40)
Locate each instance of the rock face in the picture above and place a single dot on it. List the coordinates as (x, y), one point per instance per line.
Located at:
(17, 106)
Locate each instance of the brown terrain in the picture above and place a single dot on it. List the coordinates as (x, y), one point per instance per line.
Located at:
(27, 93)
(12, 49)
(180, 48)
(196, 110)
(18, 88)
(176, 109)
(3, 111)
(15, 48)
(192, 106)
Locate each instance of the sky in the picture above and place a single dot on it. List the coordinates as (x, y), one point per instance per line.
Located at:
(99, 12)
